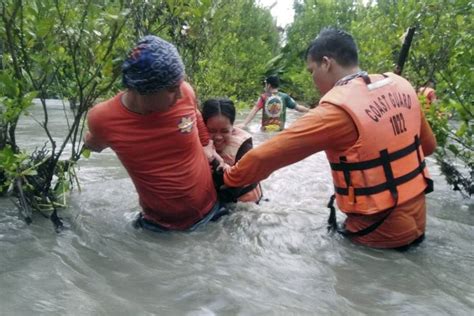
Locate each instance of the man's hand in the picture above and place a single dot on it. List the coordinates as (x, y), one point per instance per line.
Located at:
(301, 108)
(212, 156)
(209, 151)
(89, 143)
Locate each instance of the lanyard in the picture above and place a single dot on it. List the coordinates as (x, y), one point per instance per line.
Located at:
(348, 78)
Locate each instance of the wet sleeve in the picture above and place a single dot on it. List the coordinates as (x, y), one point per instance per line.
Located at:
(427, 138)
(322, 128)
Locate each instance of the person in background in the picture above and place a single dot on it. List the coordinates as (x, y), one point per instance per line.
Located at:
(375, 137)
(230, 142)
(158, 134)
(273, 104)
(428, 94)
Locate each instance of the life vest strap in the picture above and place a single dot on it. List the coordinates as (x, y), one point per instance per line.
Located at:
(384, 186)
(332, 220)
(333, 226)
(247, 189)
(369, 164)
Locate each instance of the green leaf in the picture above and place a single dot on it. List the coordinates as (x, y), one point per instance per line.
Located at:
(31, 172)
(86, 153)
(462, 129)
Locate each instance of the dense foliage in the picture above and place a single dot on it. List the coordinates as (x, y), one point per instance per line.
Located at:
(72, 50)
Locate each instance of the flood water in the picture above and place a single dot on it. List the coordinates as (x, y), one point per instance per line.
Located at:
(270, 259)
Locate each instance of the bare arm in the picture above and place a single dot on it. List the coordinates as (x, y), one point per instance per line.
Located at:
(427, 138)
(92, 144)
(301, 108)
(92, 139)
(249, 117)
(320, 129)
(202, 129)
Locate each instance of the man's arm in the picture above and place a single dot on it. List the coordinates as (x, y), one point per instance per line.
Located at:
(322, 128)
(202, 129)
(92, 139)
(301, 108)
(249, 117)
(291, 103)
(93, 144)
(427, 138)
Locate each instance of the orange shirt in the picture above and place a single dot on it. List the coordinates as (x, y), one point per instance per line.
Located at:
(163, 155)
(329, 127)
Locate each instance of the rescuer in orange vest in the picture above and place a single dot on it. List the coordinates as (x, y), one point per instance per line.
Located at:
(375, 136)
(428, 93)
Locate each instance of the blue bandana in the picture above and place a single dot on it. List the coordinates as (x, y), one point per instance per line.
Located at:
(152, 65)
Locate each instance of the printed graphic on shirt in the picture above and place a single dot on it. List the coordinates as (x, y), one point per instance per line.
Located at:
(273, 106)
(186, 125)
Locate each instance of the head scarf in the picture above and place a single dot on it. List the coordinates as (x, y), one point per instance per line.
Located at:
(152, 65)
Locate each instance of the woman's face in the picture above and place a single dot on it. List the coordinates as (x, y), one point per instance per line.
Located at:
(220, 130)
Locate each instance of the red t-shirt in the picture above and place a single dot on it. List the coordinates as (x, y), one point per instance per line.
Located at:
(163, 155)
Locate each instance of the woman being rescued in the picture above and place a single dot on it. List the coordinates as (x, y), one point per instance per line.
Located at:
(231, 143)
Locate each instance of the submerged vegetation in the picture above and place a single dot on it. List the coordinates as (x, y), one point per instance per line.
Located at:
(72, 50)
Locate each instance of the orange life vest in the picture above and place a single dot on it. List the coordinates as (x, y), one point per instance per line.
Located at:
(385, 167)
(429, 94)
(251, 193)
(238, 137)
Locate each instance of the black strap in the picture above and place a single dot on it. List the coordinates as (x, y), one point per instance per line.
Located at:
(383, 160)
(383, 186)
(369, 164)
(367, 230)
(391, 185)
(346, 171)
(333, 226)
(247, 189)
(332, 221)
(366, 78)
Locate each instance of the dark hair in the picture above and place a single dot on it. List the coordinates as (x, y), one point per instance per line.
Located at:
(214, 107)
(274, 81)
(336, 44)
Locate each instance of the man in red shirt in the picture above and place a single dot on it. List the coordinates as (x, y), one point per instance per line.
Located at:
(157, 132)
